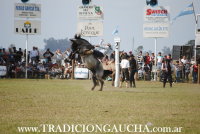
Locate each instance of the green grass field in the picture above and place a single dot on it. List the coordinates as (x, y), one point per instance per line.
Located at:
(34, 102)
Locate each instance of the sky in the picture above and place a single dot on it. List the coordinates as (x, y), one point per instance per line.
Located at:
(59, 20)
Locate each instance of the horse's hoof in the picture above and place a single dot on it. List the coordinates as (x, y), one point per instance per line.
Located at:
(92, 89)
(100, 90)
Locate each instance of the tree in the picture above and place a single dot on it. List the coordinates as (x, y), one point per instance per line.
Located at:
(54, 44)
(166, 50)
(139, 48)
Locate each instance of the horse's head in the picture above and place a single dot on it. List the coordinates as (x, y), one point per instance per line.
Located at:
(79, 44)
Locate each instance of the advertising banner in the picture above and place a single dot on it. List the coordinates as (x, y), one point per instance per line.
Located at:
(90, 12)
(3, 70)
(156, 30)
(81, 73)
(27, 10)
(90, 28)
(27, 27)
(156, 22)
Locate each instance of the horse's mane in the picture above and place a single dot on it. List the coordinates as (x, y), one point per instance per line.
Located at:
(80, 42)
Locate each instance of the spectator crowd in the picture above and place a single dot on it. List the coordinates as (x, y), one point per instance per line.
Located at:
(58, 65)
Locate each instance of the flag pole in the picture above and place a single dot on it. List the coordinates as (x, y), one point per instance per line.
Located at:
(194, 12)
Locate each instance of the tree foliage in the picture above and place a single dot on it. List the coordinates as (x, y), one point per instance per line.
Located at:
(54, 44)
(139, 48)
(166, 50)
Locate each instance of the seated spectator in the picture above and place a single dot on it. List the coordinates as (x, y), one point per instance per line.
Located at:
(41, 70)
(67, 70)
(55, 71)
(30, 70)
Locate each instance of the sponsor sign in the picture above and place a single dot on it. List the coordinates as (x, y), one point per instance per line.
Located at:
(27, 10)
(90, 12)
(3, 70)
(156, 22)
(27, 27)
(157, 14)
(81, 73)
(155, 30)
(90, 28)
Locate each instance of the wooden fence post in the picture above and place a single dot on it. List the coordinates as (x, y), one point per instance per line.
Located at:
(73, 66)
(198, 74)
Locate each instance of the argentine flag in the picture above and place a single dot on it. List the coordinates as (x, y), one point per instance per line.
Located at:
(189, 10)
(115, 31)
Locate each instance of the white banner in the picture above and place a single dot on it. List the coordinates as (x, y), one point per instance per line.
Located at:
(155, 30)
(27, 10)
(27, 27)
(90, 28)
(90, 12)
(81, 73)
(3, 70)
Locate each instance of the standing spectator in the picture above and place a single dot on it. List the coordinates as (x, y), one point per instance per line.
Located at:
(11, 58)
(133, 70)
(151, 65)
(184, 61)
(159, 61)
(1, 57)
(147, 59)
(140, 64)
(59, 57)
(178, 71)
(187, 70)
(195, 73)
(48, 55)
(33, 55)
(140, 59)
(159, 64)
(125, 70)
(19, 55)
(167, 72)
(5, 55)
(38, 55)
(66, 55)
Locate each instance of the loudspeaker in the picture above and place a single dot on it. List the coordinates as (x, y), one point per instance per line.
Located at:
(176, 52)
(187, 51)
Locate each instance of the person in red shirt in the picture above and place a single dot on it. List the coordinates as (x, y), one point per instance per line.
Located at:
(147, 59)
(194, 73)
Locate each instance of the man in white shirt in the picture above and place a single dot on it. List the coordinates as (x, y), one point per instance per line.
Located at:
(125, 65)
(184, 61)
(33, 54)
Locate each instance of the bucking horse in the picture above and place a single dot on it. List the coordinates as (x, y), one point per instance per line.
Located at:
(90, 58)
